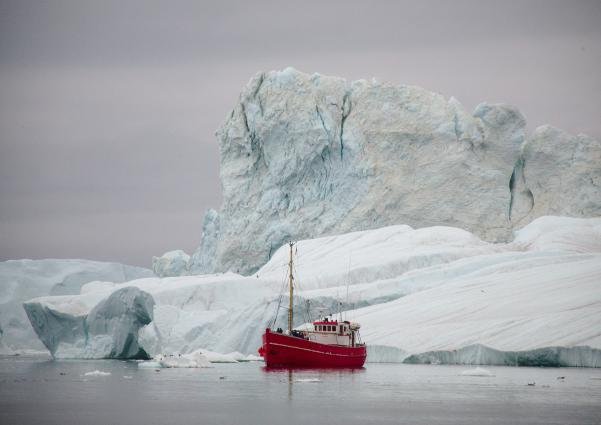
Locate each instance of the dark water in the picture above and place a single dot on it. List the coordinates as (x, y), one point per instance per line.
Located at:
(40, 391)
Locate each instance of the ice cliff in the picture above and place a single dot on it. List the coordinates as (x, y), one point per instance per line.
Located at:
(304, 156)
(435, 294)
(21, 280)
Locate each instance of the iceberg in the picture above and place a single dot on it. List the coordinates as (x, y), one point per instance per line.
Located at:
(109, 330)
(21, 280)
(436, 294)
(172, 263)
(304, 156)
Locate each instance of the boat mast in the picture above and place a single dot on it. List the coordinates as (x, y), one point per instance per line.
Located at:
(291, 285)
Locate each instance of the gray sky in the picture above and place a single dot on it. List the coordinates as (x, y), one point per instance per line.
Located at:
(108, 108)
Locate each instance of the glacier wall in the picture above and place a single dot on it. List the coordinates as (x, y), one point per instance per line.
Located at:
(304, 156)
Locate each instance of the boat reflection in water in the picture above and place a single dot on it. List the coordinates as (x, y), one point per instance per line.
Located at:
(306, 376)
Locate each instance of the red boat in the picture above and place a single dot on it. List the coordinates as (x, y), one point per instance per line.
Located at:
(329, 344)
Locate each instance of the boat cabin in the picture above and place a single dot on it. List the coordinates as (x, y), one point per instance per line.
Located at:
(333, 333)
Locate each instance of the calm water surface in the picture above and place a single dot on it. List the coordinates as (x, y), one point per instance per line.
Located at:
(42, 391)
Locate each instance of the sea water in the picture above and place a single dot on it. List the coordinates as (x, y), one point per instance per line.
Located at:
(37, 390)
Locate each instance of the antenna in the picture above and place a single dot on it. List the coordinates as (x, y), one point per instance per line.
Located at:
(291, 285)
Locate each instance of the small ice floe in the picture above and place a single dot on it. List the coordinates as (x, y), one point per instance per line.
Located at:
(193, 360)
(127, 377)
(97, 373)
(308, 380)
(149, 365)
(479, 371)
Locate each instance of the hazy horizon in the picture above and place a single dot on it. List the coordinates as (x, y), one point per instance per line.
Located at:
(108, 109)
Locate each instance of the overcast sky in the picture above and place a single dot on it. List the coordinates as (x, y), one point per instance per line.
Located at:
(108, 108)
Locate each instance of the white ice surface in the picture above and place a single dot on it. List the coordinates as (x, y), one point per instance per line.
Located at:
(413, 291)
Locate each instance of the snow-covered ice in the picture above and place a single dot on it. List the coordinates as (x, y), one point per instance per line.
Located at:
(434, 294)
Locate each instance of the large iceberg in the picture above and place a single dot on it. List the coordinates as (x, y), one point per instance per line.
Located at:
(109, 330)
(304, 156)
(421, 295)
(21, 280)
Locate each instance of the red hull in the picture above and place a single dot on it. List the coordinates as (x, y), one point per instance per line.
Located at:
(280, 350)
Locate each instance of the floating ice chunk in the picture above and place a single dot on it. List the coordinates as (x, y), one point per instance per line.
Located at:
(479, 371)
(97, 373)
(151, 364)
(192, 360)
